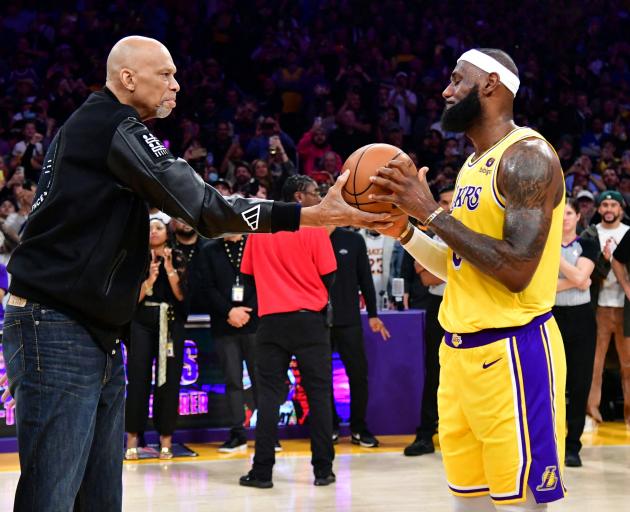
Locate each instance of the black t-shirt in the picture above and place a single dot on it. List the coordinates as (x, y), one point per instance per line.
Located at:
(353, 275)
(590, 248)
(419, 296)
(219, 267)
(622, 252)
(191, 253)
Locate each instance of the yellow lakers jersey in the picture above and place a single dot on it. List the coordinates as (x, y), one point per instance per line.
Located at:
(474, 300)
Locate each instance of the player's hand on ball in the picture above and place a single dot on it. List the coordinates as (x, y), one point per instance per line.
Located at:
(408, 188)
(400, 222)
(334, 211)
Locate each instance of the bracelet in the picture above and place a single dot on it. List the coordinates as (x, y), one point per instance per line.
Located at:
(148, 290)
(171, 273)
(406, 231)
(432, 217)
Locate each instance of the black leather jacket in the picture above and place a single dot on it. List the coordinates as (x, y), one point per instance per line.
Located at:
(84, 250)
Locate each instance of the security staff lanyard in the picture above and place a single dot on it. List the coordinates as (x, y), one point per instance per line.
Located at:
(238, 290)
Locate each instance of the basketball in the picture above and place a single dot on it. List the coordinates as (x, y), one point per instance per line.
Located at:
(363, 163)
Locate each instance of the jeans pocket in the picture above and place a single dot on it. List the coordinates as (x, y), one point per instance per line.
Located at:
(54, 317)
(13, 349)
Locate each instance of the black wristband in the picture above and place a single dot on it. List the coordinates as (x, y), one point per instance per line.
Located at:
(285, 216)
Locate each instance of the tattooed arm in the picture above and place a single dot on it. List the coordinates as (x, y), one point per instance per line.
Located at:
(530, 180)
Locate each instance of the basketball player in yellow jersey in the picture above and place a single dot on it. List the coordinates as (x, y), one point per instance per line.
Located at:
(503, 370)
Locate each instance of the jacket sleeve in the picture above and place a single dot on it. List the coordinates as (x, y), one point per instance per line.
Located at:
(140, 161)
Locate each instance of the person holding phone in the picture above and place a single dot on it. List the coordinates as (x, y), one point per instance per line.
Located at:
(157, 332)
(29, 152)
(269, 141)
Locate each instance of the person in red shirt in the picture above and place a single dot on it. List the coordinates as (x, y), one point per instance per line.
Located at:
(293, 273)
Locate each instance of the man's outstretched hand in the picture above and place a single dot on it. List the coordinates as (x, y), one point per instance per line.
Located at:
(334, 211)
(399, 225)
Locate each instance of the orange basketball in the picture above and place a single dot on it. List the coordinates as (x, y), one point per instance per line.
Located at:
(363, 164)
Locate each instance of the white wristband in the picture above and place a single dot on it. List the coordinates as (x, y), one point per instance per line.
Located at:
(430, 254)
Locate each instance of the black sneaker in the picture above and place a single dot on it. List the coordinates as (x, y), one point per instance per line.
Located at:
(234, 444)
(335, 436)
(420, 446)
(365, 439)
(572, 460)
(250, 480)
(325, 480)
(277, 447)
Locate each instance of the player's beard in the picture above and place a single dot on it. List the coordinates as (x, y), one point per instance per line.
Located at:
(461, 116)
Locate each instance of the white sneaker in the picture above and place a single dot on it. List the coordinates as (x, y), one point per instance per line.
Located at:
(590, 425)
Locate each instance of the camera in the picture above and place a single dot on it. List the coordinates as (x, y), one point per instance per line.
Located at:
(274, 141)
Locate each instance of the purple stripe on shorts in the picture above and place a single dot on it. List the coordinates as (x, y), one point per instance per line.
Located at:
(544, 474)
(553, 395)
(521, 479)
(487, 336)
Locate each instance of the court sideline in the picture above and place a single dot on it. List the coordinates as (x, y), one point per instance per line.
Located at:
(367, 480)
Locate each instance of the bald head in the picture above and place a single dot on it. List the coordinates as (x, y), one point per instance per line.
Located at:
(140, 72)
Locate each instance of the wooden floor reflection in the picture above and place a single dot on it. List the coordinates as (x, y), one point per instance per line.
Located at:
(368, 480)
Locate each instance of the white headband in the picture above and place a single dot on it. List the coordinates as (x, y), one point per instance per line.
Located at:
(491, 65)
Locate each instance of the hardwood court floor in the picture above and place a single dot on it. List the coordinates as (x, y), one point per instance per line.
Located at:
(368, 480)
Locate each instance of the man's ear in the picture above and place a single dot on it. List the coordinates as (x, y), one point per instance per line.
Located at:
(128, 79)
(492, 82)
(298, 196)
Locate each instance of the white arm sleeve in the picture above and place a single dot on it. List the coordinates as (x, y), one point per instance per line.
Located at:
(430, 253)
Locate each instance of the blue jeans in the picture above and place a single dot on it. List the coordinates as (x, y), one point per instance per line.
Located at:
(69, 412)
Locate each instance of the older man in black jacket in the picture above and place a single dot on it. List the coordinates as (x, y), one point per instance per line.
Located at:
(78, 271)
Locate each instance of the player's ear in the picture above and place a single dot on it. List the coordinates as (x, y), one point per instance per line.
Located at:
(491, 84)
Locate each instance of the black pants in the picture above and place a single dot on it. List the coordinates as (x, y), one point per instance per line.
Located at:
(280, 336)
(348, 340)
(433, 337)
(141, 351)
(578, 328)
(232, 351)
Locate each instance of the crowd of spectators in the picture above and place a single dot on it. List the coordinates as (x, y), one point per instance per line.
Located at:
(271, 88)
